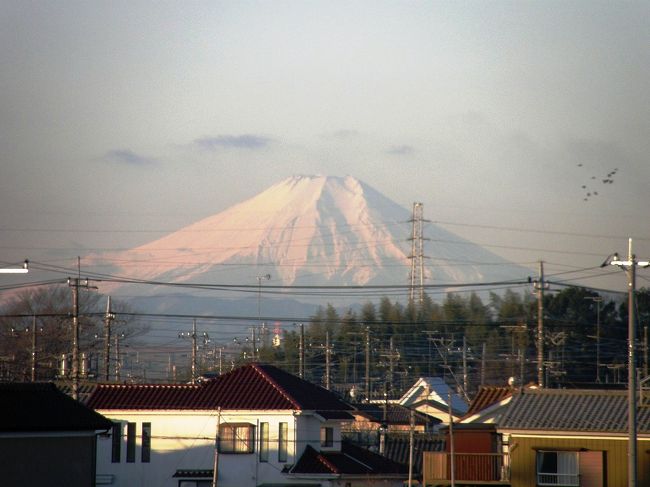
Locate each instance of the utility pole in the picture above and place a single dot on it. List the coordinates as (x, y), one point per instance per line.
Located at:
(483, 359)
(260, 325)
(215, 465)
(645, 351)
(367, 382)
(452, 453)
(75, 338)
(328, 352)
(417, 257)
(34, 348)
(194, 351)
(254, 343)
(108, 318)
(75, 284)
(411, 441)
(597, 300)
(193, 336)
(540, 286)
(118, 360)
(630, 266)
(465, 381)
(301, 351)
(393, 356)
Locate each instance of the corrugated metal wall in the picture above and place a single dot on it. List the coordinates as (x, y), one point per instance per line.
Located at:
(523, 458)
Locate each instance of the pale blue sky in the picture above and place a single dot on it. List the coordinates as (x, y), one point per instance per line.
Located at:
(131, 116)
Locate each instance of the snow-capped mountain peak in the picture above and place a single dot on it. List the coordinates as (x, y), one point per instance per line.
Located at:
(307, 230)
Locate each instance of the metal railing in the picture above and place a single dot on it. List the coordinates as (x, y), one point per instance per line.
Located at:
(544, 478)
(477, 467)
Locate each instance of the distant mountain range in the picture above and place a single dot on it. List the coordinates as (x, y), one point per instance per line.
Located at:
(307, 230)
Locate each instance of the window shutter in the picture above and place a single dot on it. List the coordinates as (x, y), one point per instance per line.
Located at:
(591, 468)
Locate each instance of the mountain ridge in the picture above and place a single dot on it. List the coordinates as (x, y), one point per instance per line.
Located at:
(308, 230)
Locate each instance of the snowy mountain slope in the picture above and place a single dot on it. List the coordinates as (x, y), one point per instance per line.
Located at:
(309, 230)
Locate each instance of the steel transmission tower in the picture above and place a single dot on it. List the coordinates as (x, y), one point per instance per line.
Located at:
(416, 276)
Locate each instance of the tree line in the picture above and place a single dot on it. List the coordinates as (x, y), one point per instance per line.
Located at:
(377, 349)
(385, 346)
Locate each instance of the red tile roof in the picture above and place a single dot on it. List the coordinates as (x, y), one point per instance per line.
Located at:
(251, 387)
(486, 397)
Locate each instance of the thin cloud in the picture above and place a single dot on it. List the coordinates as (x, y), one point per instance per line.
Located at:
(401, 150)
(244, 141)
(342, 134)
(129, 158)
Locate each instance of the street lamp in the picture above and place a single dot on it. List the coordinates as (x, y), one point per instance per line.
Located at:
(16, 270)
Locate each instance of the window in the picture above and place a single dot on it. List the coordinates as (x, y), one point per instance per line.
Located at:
(557, 468)
(236, 438)
(283, 441)
(130, 442)
(116, 446)
(326, 436)
(146, 443)
(264, 442)
(195, 483)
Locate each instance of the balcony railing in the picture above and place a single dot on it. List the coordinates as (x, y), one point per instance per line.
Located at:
(484, 468)
(563, 479)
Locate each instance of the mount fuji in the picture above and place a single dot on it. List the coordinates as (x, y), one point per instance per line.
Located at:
(307, 230)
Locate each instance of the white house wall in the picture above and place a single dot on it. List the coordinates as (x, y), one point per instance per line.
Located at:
(185, 440)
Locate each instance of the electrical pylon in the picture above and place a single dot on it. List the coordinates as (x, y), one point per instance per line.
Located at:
(416, 276)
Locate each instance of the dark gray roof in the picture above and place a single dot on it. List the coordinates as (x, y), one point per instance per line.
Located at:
(395, 414)
(578, 410)
(41, 407)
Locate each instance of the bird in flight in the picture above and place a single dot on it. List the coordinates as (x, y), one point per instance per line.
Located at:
(589, 191)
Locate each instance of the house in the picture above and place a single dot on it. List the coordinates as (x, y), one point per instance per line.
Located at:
(394, 420)
(46, 437)
(269, 428)
(371, 418)
(573, 437)
(431, 396)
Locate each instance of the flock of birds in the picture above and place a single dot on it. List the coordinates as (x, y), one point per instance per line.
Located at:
(590, 191)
